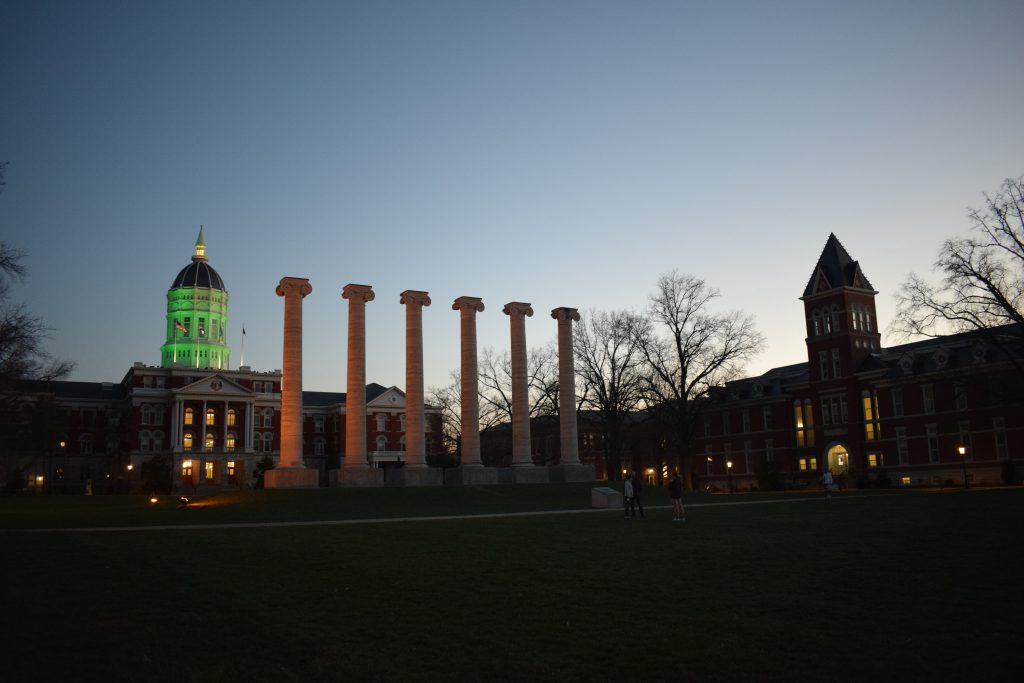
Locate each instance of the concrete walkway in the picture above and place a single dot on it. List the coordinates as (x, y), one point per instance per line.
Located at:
(434, 518)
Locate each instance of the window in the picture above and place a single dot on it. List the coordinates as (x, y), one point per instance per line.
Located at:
(725, 423)
(382, 444)
(229, 444)
(837, 368)
(268, 442)
(769, 450)
(999, 429)
(211, 417)
(708, 460)
(901, 445)
(144, 441)
(809, 421)
(381, 422)
(88, 416)
(823, 364)
(933, 443)
(257, 387)
(209, 441)
(745, 418)
(186, 469)
(856, 317)
(808, 464)
(231, 471)
(707, 426)
(897, 402)
(186, 441)
(189, 416)
(401, 421)
(816, 324)
(158, 440)
(965, 437)
(318, 424)
(960, 394)
(798, 416)
(869, 405)
(209, 470)
(836, 319)
(766, 412)
(232, 416)
(746, 456)
(402, 444)
(268, 417)
(202, 327)
(827, 322)
(318, 446)
(867, 322)
(213, 328)
(85, 444)
(929, 398)
(147, 415)
(874, 459)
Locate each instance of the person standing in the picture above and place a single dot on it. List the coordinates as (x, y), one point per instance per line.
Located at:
(627, 497)
(675, 492)
(827, 483)
(637, 485)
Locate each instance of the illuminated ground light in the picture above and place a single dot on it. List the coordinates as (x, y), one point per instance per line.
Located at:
(153, 500)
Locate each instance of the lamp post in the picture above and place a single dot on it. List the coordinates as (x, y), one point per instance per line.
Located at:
(963, 462)
(728, 468)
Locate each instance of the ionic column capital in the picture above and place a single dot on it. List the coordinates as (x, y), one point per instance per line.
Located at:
(414, 297)
(468, 304)
(562, 314)
(355, 292)
(517, 308)
(294, 286)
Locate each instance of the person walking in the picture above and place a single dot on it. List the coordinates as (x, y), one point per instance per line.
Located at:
(675, 492)
(637, 485)
(627, 497)
(827, 483)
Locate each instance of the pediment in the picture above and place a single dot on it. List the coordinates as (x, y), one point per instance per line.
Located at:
(392, 397)
(821, 283)
(214, 385)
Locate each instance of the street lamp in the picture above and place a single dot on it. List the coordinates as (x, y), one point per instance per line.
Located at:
(728, 468)
(963, 462)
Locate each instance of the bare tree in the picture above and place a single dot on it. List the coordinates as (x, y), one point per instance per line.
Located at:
(982, 276)
(496, 384)
(449, 399)
(688, 349)
(609, 371)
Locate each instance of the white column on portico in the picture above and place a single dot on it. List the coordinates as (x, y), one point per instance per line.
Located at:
(415, 425)
(468, 307)
(355, 399)
(517, 312)
(570, 451)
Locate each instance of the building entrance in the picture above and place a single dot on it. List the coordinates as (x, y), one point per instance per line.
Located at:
(838, 460)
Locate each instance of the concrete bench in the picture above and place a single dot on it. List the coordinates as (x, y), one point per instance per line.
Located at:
(605, 497)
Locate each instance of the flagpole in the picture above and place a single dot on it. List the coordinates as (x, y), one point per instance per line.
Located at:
(175, 333)
(242, 359)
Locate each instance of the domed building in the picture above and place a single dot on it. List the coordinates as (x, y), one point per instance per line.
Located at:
(197, 316)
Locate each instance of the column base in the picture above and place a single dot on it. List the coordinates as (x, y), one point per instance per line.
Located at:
(356, 476)
(291, 478)
(523, 474)
(471, 475)
(570, 472)
(415, 476)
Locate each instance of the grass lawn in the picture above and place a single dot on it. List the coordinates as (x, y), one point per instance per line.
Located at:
(925, 586)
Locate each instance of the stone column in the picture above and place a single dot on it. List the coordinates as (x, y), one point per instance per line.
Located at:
(355, 399)
(570, 451)
(290, 472)
(415, 447)
(521, 448)
(468, 306)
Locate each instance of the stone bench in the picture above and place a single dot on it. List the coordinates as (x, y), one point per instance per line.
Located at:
(605, 497)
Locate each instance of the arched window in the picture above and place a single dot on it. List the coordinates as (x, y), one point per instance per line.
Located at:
(186, 441)
(268, 442)
(856, 317)
(231, 417)
(229, 445)
(827, 322)
(836, 319)
(209, 441)
(211, 417)
(382, 444)
(816, 317)
(268, 417)
(189, 416)
(867, 321)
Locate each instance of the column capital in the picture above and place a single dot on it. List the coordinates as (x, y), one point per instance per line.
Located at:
(355, 292)
(468, 303)
(517, 308)
(291, 286)
(564, 313)
(414, 297)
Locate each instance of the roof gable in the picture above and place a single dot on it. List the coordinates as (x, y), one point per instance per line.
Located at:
(392, 397)
(214, 384)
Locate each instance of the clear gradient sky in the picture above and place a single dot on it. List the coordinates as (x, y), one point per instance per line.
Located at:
(560, 153)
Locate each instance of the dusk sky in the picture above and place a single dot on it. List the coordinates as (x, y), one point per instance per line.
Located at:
(559, 153)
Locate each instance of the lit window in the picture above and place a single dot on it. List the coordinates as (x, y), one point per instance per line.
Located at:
(209, 442)
(209, 471)
(809, 421)
(904, 481)
(869, 417)
(186, 468)
(186, 441)
(231, 417)
(873, 459)
(798, 415)
(189, 416)
(229, 444)
(211, 418)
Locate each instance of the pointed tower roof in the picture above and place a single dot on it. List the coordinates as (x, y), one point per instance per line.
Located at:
(835, 269)
(200, 254)
(199, 273)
